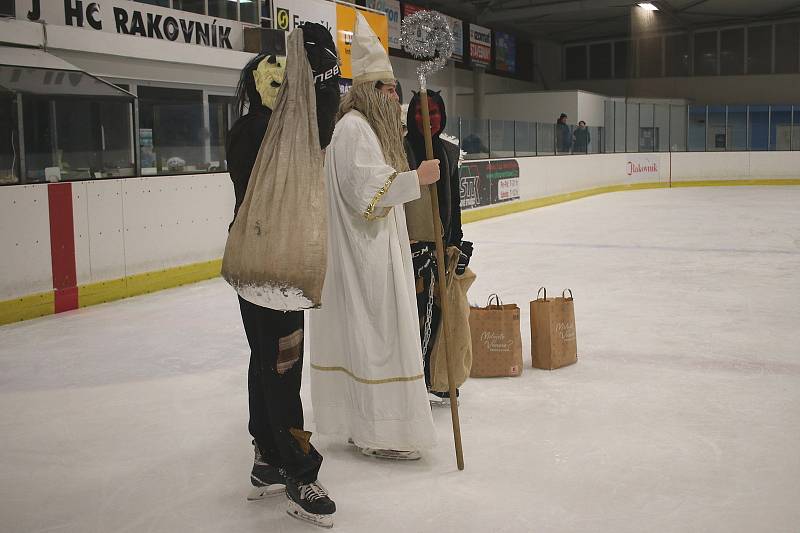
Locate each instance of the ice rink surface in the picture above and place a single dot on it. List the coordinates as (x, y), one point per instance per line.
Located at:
(682, 414)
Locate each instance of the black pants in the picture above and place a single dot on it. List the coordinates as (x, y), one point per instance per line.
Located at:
(427, 307)
(273, 382)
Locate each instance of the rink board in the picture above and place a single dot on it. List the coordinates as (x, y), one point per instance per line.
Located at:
(139, 235)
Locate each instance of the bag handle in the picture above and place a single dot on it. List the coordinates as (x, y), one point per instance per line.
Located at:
(565, 291)
(540, 292)
(496, 298)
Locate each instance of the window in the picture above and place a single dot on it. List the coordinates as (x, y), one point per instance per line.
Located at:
(600, 61)
(796, 128)
(76, 138)
(677, 55)
(759, 50)
(716, 131)
(218, 124)
(171, 131)
(780, 128)
(609, 127)
(650, 57)
(661, 125)
(195, 6)
(162, 3)
(621, 68)
(9, 147)
(758, 135)
(787, 48)
(226, 9)
(632, 128)
(620, 114)
(697, 128)
(677, 128)
(731, 54)
(575, 57)
(7, 8)
(248, 11)
(705, 54)
(737, 128)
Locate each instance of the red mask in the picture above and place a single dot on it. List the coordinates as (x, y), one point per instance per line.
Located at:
(436, 117)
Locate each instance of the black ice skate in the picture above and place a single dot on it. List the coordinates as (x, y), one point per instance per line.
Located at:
(310, 502)
(266, 479)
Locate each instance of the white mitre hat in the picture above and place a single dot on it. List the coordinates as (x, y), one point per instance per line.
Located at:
(369, 59)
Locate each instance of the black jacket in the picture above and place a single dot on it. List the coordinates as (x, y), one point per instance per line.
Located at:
(241, 148)
(448, 154)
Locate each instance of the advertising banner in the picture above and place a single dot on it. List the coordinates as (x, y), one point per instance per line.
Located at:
(136, 19)
(488, 182)
(642, 166)
(392, 10)
(455, 24)
(480, 45)
(289, 14)
(346, 23)
(505, 55)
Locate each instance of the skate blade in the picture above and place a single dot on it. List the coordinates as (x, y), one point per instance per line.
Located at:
(321, 520)
(259, 493)
(393, 455)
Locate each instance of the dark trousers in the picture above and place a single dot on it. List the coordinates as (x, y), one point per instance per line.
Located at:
(273, 382)
(427, 306)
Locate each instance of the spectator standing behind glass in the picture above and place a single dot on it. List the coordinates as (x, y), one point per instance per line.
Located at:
(563, 135)
(581, 139)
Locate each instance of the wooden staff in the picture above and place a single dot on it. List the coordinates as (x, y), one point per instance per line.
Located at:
(441, 287)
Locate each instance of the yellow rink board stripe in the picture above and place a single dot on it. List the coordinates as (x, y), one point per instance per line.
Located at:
(525, 205)
(42, 304)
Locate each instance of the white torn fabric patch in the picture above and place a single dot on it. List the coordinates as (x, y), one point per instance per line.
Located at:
(278, 296)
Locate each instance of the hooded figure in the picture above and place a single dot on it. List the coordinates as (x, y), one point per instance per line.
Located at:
(448, 187)
(367, 381)
(284, 456)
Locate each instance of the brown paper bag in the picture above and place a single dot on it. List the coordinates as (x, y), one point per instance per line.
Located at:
(460, 341)
(553, 341)
(496, 340)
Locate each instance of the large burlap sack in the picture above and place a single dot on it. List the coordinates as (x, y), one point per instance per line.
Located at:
(275, 256)
(553, 339)
(459, 343)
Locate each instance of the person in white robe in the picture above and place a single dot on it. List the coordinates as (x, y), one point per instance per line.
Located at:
(367, 380)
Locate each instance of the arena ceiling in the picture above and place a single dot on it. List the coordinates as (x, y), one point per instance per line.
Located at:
(574, 20)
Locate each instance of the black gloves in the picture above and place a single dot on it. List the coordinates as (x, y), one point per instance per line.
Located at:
(321, 54)
(463, 257)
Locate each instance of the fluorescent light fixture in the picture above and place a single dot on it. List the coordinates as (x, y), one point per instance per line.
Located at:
(648, 6)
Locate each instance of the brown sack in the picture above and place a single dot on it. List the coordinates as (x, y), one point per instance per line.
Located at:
(460, 341)
(553, 341)
(496, 340)
(275, 256)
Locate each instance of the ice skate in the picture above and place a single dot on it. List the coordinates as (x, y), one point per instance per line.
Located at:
(440, 399)
(396, 455)
(266, 479)
(310, 502)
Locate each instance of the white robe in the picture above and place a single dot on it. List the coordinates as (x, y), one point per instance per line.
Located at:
(367, 379)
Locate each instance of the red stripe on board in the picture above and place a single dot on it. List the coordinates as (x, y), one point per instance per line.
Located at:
(62, 246)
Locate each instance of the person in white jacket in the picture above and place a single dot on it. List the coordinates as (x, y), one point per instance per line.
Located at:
(367, 380)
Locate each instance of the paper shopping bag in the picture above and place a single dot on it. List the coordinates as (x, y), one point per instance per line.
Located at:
(553, 340)
(496, 340)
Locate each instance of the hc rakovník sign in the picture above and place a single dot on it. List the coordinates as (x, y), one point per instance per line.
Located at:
(642, 167)
(129, 18)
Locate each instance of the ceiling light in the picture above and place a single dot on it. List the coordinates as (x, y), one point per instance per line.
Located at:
(648, 6)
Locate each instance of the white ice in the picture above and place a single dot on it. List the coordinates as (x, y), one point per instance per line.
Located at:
(682, 414)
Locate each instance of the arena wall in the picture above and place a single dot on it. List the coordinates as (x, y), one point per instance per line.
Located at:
(68, 245)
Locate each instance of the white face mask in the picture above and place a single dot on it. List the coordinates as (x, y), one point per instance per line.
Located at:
(269, 77)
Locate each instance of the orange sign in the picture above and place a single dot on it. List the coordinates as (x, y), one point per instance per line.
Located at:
(346, 23)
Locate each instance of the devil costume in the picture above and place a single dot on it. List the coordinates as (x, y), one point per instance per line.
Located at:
(282, 448)
(424, 253)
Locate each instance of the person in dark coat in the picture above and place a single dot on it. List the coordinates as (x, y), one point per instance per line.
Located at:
(563, 135)
(581, 139)
(283, 452)
(423, 254)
